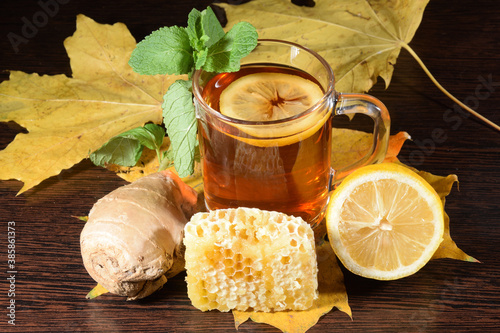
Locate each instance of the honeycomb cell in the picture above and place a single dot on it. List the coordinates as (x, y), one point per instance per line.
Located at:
(301, 231)
(228, 262)
(285, 260)
(199, 231)
(229, 271)
(238, 258)
(214, 227)
(257, 266)
(239, 265)
(228, 253)
(232, 230)
(204, 301)
(221, 214)
(273, 230)
(212, 288)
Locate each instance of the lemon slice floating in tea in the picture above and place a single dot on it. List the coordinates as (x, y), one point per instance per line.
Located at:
(263, 97)
(268, 96)
(384, 221)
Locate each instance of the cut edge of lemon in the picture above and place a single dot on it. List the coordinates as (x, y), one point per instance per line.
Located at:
(374, 173)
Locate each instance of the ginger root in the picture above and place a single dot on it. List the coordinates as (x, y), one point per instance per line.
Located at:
(132, 241)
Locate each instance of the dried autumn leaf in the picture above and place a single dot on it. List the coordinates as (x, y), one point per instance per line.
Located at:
(394, 146)
(97, 291)
(332, 293)
(349, 146)
(68, 117)
(360, 39)
(448, 248)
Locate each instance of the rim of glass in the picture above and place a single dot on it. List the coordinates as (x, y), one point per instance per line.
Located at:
(326, 94)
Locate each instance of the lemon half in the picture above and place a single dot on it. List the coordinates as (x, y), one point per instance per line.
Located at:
(384, 221)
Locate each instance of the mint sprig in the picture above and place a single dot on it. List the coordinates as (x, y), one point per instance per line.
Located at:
(174, 50)
(126, 149)
(203, 31)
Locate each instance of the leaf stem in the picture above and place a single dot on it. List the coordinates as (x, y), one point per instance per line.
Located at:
(158, 156)
(453, 98)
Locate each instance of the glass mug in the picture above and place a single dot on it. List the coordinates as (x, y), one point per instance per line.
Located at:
(280, 165)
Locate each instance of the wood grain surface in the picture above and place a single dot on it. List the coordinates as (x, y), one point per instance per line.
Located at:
(459, 41)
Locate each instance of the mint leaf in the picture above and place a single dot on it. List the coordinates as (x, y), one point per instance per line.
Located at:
(158, 133)
(118, 150)
(225, 55)
(197, 38)
(211, 27)
(126, 149)
(151, 135)
(165, 51)
(180, 120)
(203, 30)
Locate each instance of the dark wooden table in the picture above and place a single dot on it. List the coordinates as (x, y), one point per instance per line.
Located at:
(459, 41)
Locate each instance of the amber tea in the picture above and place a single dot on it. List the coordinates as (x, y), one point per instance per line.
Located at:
(265, 131)
(286, 175)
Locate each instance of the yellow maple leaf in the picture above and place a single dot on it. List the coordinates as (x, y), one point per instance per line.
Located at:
(68, 117)
(349, 146)
(361, 40)
(448, 248)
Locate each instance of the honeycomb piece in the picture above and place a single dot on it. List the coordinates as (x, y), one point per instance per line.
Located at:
(250, 259)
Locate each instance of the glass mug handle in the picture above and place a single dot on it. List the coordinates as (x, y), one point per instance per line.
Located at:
(368, 105)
